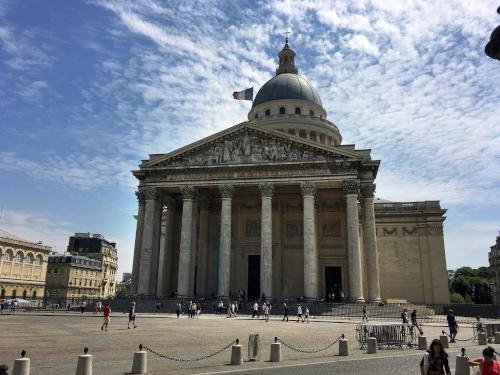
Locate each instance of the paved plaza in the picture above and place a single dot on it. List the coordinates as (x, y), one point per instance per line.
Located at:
(53, 342)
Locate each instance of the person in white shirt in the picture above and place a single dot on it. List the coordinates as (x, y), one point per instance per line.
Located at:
(299, 313)
(255, 310)
(306, 315)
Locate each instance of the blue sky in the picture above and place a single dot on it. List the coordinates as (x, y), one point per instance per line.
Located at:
(89, 88)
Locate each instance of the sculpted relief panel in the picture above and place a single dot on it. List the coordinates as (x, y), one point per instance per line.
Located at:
(246, 148)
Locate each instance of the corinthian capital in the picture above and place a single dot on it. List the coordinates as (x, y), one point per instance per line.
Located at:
(351, 187)
(226, 191)
(141, 196)
(308, 188)
(266, 189)
(368, 191)
(151, 193)
(188, 192)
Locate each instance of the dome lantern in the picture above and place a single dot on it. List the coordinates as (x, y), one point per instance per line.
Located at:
(287, 60)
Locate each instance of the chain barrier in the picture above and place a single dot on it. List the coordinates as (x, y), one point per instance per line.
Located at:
(460, 340)
(165, 356)
(309, 351)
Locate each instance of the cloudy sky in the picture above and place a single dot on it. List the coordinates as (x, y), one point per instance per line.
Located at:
(89, 88)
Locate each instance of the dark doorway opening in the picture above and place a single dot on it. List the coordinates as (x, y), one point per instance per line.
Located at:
(253, 276)
(333, 283)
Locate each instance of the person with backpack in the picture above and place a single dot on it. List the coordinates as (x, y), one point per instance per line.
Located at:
(452, 325)
(435, 360)
(488, 365)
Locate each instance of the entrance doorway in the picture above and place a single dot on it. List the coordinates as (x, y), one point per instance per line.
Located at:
(333, 283)
(253, 276)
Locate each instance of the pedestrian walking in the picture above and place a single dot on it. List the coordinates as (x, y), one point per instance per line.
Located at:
(365, 314)
(178, 309)
(193, 309)
(255, 309)
(285, 312)
(488, 365)
(452, 325)
(414, 322)
(404, 316)
(82, 306)
(198, 309)
(131, 315)
(306, 315)
(106, 311)
(435, 360)
(266, 308)
(299, 313)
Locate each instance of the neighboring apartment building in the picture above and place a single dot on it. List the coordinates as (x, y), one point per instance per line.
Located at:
(95, 246)
(73, 279)
(494, 258)
(23, 265)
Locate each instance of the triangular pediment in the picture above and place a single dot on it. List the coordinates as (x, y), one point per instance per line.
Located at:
(248, 144)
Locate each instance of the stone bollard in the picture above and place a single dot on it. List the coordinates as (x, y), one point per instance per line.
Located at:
(444, 341)
(343, 346)
(236, 354)
(461, 367)
(372, 345)
(275, 351)
(481, 338)
(140, 363)
(422, 343)
(84, 365)
(21, 365)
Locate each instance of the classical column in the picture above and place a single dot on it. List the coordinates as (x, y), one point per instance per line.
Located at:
(150, 243)
(225, 240)
(201, 276)
(141, 199)
(194, 245)
(186, 240)
(351, 189)
(165, 257)
(310, 249)
(266, 240)
(370, 243)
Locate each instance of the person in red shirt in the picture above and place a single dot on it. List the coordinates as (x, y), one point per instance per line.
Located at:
(488, 364)
(105, 313)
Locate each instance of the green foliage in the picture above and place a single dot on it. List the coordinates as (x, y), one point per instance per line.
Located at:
(457, 298)
(471, 284)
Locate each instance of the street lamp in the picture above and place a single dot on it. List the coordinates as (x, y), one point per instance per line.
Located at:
(492, 49)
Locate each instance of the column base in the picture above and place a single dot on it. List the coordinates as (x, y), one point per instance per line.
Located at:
(360, 299)
(376, 300)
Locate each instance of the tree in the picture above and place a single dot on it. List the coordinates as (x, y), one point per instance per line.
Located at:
(471, 284)
(456, 298)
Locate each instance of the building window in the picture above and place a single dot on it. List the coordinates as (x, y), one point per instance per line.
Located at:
(312, 136)
(14, 293)
(19, 257)
(302, 133)
(2, 294)
(8, 256)
(291, 131)
(38, 260)
(29, 259)
(25, 293)
(311, 113)
(282, 110)
(297, 110)
(268, 112)
(34, 294)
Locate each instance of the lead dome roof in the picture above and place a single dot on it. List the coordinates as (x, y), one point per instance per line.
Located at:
(287, 86)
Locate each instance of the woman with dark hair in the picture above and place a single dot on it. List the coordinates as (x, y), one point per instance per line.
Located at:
(435, 360)
(488, 364)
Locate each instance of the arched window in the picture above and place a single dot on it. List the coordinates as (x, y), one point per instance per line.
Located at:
(312, 136)
(286, 59)
(8, 256)
(19, 257)
(38, 260)
(29, 258)
(268, 112)
(297, 110)
(311, 113)
(34, 294)
(2, 294)
(25, 293)
(282, 110)
(14, 293)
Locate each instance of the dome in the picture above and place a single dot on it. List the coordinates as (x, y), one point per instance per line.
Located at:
(287, 86)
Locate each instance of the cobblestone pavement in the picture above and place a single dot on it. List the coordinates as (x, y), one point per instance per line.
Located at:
(54, 342)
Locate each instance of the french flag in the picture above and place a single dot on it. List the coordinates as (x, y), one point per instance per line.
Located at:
(244, 95)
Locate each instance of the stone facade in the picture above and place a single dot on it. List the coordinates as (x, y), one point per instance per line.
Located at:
(494, 259)
(73, 279)
(23, 266)
(276, 206)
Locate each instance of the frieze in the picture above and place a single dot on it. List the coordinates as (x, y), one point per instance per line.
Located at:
(247, 147)
(409, 231)
(342, 166)
(390, 231)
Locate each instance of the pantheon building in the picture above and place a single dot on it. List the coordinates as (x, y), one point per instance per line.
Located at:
(278, 206)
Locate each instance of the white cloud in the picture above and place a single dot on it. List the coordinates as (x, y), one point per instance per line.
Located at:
(361, 43)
